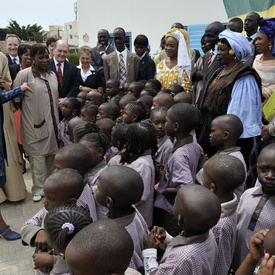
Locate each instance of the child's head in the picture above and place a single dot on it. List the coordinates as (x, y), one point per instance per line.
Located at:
(98, 145)
(103, 247)
(135, 88)
(225, 129)
(62, 223)
(181, 118)
(83, 129)
(108, 110)
(63, 186)
(266, 169)
(115, 99)
(183, 97)
(163, 100)
(72, 123)
(106, 125)
(196, 209)
(165, 91)
(119, 187)
(124, 101)
(148, 102)
(153, 84)
(112, 87)
(82, 97)
(89, 113)
(125, 88)
(141, 43)
(148, 91)
(75, 156)
(118, 135)
(140, 137)
(176, 89)
(134, 112)
(70, 107)
(93, 97)
(158, 120)
(269, 241)
(222, 174)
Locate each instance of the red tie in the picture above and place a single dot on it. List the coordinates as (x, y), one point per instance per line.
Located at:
(210, 59)
(59, 73)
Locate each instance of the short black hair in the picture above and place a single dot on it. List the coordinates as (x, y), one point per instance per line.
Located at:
(187, 116)
(112, 109)
(98, 140)
(177, 25)
(141, 39)
(119, 29)
(75, 103)
(23, 48)
(176, 88)
(147, 100)
(150, 92)
(38, 49)
(138, 108)
(91, 109)
(50, 40)
(155, 84)
(158, 109)
(114, 81)
(106, 125)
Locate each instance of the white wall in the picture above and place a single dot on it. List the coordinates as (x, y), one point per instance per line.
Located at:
(152, 18)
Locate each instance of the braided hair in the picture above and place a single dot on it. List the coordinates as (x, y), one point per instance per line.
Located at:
(83, 129)
(140, 137)
(98, 140)
(63, 222)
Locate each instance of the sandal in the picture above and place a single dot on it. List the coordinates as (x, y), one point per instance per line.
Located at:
(8, 234)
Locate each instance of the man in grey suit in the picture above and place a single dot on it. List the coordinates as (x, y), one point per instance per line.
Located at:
(102, 49)
(121, 64)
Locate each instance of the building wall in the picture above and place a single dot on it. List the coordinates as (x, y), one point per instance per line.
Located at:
(150, 17)
(70, 33)
(55, 31)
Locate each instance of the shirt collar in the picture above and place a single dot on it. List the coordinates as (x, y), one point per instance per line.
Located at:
(143, 55)
(229, 208)
(229, 150)
(55, 62)
(126, 220)
(181, 240)
(99, 166)
(162, 140)
(16, 57)
(182, 142)
(92, 69)
(124, 53)
(260, 192)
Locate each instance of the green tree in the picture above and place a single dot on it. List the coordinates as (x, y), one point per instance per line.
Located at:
(29, 32)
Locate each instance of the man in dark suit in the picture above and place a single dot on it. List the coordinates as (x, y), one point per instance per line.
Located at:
(65, 71)
(12, 44)
(121, 64)
(101, 51)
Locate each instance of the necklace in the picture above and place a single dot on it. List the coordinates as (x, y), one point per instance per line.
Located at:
(220, 74)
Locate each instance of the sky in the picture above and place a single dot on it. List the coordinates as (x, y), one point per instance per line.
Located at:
(44, 13)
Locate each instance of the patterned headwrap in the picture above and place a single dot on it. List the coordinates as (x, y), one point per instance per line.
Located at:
(238, 43)
(182, 38)
(267, 27)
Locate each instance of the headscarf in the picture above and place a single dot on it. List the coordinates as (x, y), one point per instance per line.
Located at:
(267, 27)
(182, 38)
(238, 43)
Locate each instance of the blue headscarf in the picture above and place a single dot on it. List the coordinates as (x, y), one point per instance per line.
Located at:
(238, 43)
(267, 27)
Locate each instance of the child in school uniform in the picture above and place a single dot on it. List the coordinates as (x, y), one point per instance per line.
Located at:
(63, 186)
(98, 145)
(122, 104)
(148, 102)
(141, 149)
(70, 109)
(182, 163)
(100, 248)
(119, 188)
(134, 112)
(163, 100)
(89, 113)
(62, 223)
(112, 88)
(78, 157)
(165, 145)
(256, 208)
(194, 251)
(221, 175)
(108, 110)
(135, 89)
(82, 129)
(93, 97)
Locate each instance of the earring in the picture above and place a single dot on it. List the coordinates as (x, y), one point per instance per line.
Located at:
(235, 58)
(231, 52)
(270, 46)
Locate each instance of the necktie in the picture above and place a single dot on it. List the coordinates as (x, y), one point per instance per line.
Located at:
(14, 61)
(122, 71)
(249, 38)
(59, 73)
(210, 59)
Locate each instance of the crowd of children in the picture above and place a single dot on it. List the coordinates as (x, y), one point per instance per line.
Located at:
(130, 162)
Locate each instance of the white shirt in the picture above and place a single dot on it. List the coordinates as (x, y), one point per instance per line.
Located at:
(252, 36)
(61, 67)
(124, 53)
(85, 75)
(17, 59)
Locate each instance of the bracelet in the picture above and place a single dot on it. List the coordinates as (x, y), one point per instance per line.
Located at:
(270, 130)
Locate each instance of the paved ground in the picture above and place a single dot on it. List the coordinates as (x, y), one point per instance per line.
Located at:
(16, 259)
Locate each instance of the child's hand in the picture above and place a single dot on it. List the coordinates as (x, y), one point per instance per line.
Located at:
(41, 241)
(265, 133)
(25, 86)
(159, 233)
(202, 160)
(42, 260)
(256, 242)
(267, 265)
(170, 194)
(151, 242)
(119, 120)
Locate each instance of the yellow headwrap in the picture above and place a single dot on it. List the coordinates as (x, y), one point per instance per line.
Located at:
(184, 52)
